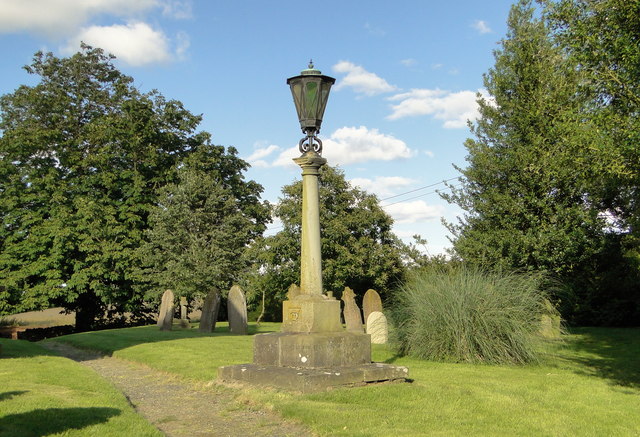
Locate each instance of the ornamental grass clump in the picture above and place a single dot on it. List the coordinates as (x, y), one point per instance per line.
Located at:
(464, 314)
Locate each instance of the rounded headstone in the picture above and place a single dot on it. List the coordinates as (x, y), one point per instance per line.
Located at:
(237, 311)
(371, 302)
(165, 318)
(377, 327)
(210, 309)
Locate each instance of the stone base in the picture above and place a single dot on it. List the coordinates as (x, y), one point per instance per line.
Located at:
(316, 350)
(311, 313)
(307, 380)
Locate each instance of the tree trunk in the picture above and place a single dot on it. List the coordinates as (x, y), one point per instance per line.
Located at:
(88, 308)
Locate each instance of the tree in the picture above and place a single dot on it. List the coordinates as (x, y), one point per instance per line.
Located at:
(603, 37)
(532, 166)
(358, 248)
(202, 224)
(83, 155)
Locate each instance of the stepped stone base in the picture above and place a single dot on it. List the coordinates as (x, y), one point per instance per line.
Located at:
(310, 350)
(308, 380)
(307, 362)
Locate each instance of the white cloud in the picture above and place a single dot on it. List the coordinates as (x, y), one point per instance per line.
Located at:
(410, 62)
(412, 212)
(373, 30)
(178, 9)
(349, 145)
(256, 158)
(62, 17)
(382, 186)
(361, 80)
(481, 26)
(135, 43)
(183, 42)
(454, 109)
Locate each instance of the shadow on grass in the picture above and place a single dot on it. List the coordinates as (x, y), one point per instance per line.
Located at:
(393, 359)
(609, 353)
(106, 342)
(41, 422)
(9, 394)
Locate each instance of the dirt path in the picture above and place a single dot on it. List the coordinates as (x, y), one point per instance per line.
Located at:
(179, 408)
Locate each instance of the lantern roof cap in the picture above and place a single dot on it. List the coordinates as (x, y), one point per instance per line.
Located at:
(311, 70)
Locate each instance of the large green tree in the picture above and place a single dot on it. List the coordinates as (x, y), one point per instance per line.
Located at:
(535, 154)
(202, 224)
(358, 248)
(603, 38)
(83, 154)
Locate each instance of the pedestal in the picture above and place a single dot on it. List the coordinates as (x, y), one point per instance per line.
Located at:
(311, 313)
(313, 351)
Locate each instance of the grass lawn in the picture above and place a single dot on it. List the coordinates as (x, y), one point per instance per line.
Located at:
(588, 386)
(42, 394)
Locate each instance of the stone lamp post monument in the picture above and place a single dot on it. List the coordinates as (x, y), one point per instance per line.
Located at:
(313, 351)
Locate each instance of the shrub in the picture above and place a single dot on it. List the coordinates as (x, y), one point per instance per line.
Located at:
(464, 314)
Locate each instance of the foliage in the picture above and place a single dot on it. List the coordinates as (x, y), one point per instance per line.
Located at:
(358, 248)
(466, 315)
(586, 385)
(43, 394)
(603, 37)
(535, 190)
(84, 154)
(202, 224)
(524, 188)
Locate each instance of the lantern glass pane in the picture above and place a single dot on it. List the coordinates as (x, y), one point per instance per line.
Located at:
(324, 97)
(311, 99)
(296, 90)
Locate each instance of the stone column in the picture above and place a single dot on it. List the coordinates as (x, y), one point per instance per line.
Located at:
(311, 310)
(310, 256)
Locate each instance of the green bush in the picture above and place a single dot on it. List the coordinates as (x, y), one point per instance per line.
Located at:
(463, 314)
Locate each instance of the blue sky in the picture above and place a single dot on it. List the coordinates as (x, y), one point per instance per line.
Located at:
(407, 72)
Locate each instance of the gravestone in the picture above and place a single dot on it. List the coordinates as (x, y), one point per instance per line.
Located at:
(184, 321)
(210, 309)
(351, 312)
(371, 302)
(377, 328)
(237, 311)
(165, 318)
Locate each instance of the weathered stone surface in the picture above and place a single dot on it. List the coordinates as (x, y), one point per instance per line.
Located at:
(293, 291)
(330, 349)
(377, 327)
(183, 307)
(184, 320)
(311, 313)
(237, 311)
(165, 318)
(351, 312)
(313, 380)
(210, 309)
(370, 302)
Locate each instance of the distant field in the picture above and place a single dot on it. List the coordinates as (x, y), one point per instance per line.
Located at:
(46, 318)
(56, 317)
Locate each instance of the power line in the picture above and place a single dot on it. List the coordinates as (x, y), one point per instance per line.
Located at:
(401, 194)
(418, 189)
(415, 197)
